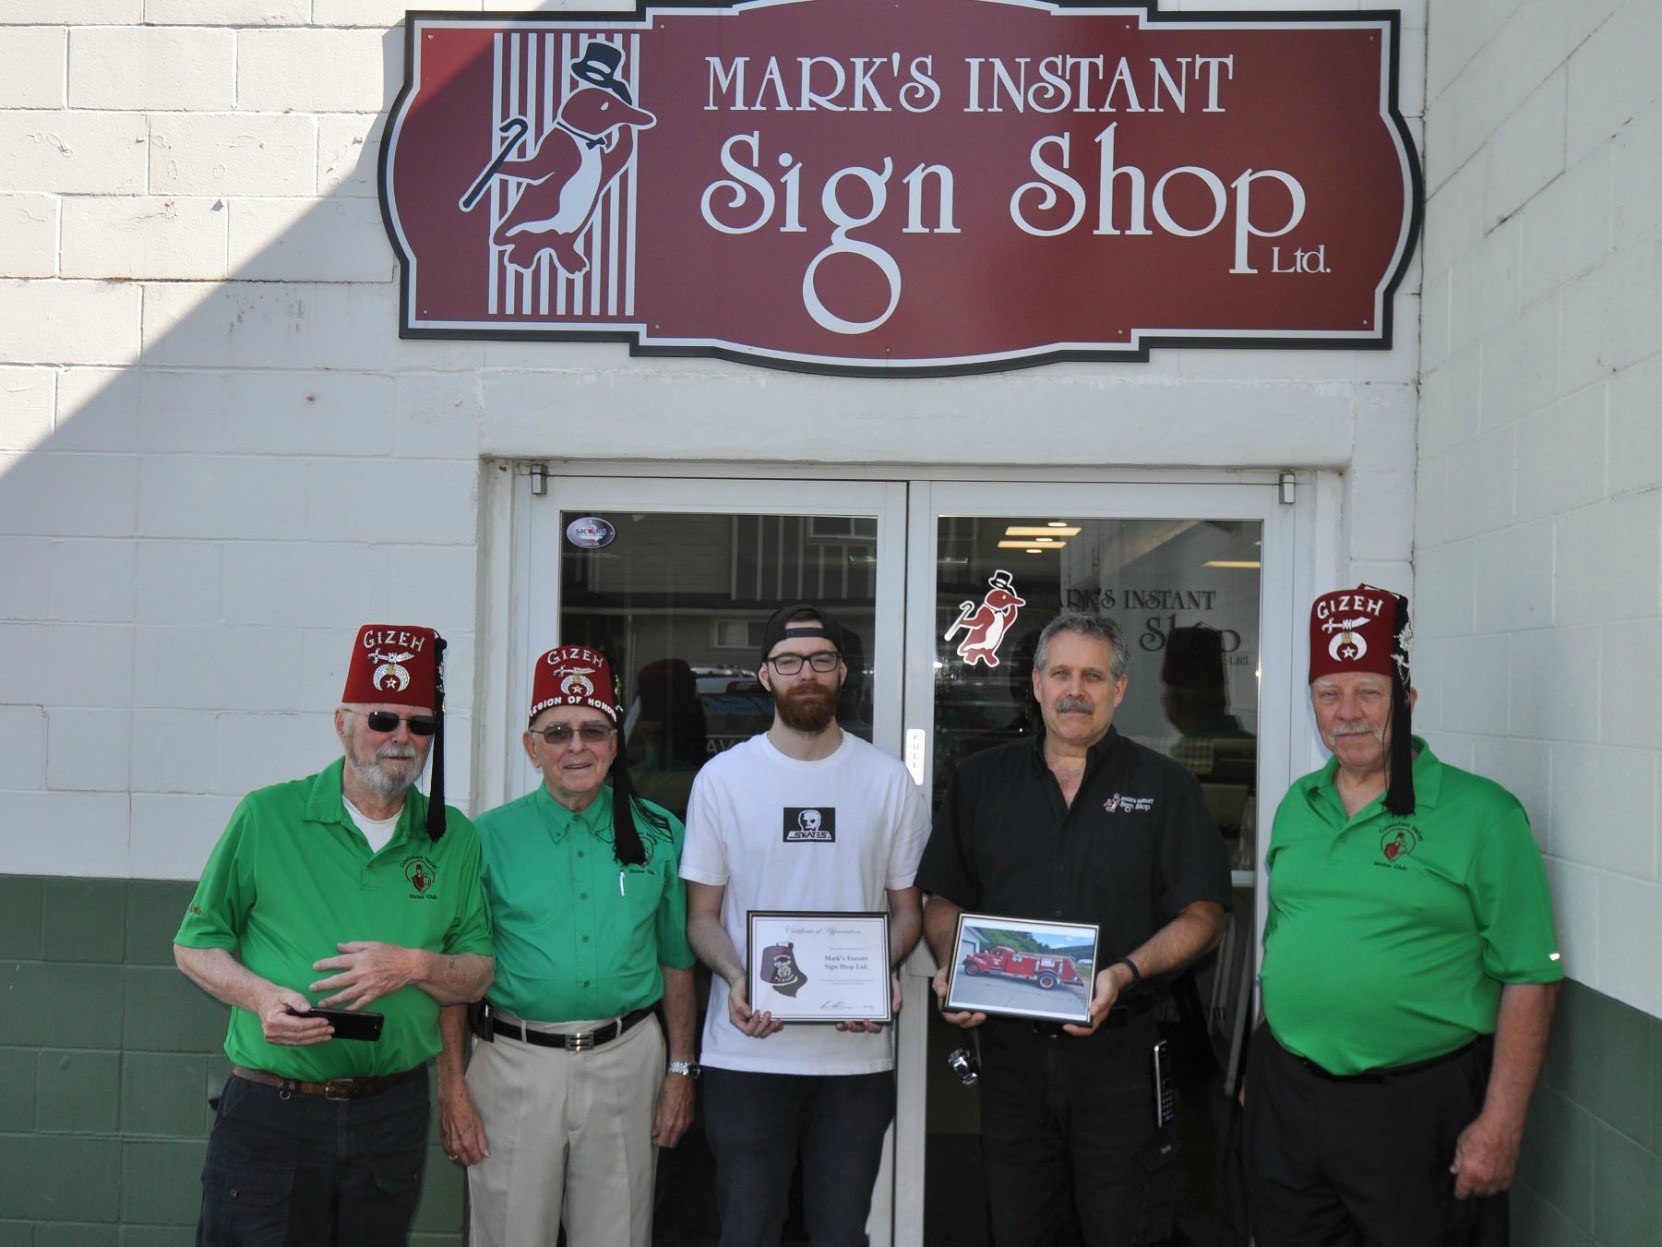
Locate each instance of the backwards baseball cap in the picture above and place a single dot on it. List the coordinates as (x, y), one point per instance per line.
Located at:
(815, 623)
(1367, 629)
(401, 665)
(573, 675)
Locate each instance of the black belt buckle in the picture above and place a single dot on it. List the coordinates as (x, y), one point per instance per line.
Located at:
(340, 1089)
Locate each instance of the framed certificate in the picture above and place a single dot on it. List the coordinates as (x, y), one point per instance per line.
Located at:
(819, 967)
(1029, 969)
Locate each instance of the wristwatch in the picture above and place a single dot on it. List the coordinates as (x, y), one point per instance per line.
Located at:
(687, 1069)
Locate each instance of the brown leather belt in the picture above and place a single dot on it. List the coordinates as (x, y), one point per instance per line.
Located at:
(582, 1041)
(334, 1089)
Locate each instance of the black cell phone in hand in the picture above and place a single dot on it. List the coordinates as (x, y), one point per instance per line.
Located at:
(348, 1023)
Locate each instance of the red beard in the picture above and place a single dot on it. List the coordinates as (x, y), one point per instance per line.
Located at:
(806, 708)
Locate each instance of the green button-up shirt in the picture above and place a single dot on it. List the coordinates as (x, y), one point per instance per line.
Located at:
(577, 936)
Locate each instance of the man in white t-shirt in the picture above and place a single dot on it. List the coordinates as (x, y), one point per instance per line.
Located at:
(803, 817)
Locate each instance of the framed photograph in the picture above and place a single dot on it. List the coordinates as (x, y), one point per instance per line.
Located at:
(1028, 969)
(819, 967)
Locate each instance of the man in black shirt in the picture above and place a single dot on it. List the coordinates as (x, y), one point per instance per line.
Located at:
(1078, 825)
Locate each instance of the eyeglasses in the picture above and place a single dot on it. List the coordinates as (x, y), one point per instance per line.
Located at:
(387, 721)
(591, 733)
(821, 661)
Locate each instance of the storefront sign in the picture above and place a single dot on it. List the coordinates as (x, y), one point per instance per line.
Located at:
(902, 188)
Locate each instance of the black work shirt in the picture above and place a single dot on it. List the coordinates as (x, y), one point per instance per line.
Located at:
(1135, 847)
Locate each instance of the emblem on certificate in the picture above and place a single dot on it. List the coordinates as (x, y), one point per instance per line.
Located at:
(1025, 968)
(819, 967)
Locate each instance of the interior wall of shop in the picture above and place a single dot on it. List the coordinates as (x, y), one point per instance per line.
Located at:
(217, 458)
(1537, 536)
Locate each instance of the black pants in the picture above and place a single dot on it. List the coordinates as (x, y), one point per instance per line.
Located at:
(1069, 1136)
(1334, 1163)
(292, 1170)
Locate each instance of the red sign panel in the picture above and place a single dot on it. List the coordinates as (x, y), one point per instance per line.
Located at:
(902, 188)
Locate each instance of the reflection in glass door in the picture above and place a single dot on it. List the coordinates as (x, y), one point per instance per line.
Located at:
(1181, 570)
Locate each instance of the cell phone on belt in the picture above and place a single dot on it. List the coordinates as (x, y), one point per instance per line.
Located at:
(1165, 1094)
(348, 1023)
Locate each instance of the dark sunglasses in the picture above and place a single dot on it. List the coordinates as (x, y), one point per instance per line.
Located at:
(387, 721)
(561, 733)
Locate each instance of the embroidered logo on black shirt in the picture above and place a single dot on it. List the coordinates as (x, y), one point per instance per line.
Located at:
(1117, 804)
(817, 824)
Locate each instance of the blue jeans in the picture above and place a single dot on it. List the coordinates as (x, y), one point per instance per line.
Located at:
(756, 1123)
(292, 1170)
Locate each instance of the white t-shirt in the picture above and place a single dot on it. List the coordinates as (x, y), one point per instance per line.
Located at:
(833, 834)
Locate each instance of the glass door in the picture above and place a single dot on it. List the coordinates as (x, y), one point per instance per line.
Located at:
(674, 579)
(1197, 576)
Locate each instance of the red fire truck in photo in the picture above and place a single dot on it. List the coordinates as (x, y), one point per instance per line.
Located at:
(1045, 970)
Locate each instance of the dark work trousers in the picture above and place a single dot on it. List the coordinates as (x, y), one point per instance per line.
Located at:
(291, 1170)
(756, 1123)
(1346, 1163)
(1069, 1135)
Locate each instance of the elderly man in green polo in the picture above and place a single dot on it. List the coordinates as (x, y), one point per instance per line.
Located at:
(341, 891)
(1410, 970)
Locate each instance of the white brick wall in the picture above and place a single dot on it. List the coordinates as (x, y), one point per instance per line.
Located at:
(1539, 516)
(152, 68)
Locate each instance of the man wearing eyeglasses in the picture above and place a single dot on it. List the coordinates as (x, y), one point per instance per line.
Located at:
(564, 1103)
(804, 817)
(340, 891)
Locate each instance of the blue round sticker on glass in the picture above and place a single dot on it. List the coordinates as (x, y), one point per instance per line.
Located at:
(591, 532)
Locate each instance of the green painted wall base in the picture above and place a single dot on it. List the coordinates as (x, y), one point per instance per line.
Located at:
(1591, 1174)
(108, 1057)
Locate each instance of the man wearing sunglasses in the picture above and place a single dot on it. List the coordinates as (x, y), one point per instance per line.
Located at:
(562, 1107)
(804, 817)
(336, 892)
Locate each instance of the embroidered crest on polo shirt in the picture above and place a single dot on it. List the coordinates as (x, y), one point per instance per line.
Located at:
(1118, 804)
(422, 875)
(1397, 842)
(810, 824)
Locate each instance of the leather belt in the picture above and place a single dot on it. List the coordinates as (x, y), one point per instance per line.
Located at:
(1385, 1075)
(334, 1089)
(580, 1041)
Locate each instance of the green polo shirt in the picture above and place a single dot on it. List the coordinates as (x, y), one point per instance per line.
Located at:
(293, 876)
(1389, 938)
(577, 936)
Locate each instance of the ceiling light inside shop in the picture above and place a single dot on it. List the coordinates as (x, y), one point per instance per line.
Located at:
(1054, 529)
(1032, 545)
(1240, 564)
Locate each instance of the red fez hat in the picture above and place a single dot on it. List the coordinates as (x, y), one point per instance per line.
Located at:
(573, 675)
(1366, 629)
(399, 665)
(394, 665)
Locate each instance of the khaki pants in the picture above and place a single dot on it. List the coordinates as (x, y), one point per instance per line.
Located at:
(569, 1132)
